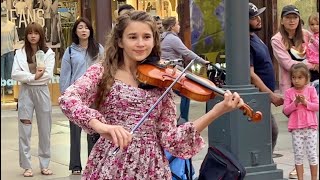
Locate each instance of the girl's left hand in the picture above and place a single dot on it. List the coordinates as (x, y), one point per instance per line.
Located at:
(231, 101)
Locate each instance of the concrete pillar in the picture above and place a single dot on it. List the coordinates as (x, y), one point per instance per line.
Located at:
(103, 19)
(85, 9)
(250, 142)
(184, 21)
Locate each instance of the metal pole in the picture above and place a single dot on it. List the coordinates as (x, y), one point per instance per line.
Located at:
(103, 19)
(237, 42)
(249, 142)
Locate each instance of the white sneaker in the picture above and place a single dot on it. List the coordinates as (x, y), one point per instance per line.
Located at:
(293, 174)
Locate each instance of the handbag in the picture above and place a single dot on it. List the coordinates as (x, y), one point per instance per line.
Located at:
(220, 164)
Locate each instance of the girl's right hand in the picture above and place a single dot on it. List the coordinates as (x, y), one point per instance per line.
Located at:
(39, 72)
(117, 134)
(297, 100)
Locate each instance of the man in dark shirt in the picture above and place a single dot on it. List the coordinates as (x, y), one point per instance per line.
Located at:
(261, 67)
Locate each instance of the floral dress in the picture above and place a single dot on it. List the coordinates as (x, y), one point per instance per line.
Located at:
(125, 105)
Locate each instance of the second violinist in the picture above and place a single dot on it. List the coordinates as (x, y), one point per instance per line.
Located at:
(112, 85)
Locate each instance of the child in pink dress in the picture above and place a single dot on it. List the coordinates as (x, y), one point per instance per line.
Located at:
(300, 104)
(312, 52)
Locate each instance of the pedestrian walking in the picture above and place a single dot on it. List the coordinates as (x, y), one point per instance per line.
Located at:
(289, 48)
(172, 48)
(83, 52)
(34, 74)
(301, 104)
(261, 67)
(120, 103)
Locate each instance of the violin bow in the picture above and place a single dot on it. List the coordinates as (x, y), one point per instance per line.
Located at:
(143, 119)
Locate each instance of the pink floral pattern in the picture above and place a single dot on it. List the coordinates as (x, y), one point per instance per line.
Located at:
(125, 105)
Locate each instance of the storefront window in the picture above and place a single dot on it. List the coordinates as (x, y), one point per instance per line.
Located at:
(55, 16)
(162, 8)
(68, 12)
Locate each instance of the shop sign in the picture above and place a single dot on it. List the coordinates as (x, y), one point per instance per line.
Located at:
(34, 15)
(11, 82)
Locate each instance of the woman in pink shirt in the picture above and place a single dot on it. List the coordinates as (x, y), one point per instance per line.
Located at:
(289, 45)
(300, 104)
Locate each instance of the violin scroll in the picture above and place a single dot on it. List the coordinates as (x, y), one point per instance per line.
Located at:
(248, 111)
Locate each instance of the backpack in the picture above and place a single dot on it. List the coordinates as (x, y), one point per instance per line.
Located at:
(220, 164)
(180, 168)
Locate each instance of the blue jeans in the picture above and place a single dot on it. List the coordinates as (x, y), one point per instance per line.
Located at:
(6, 68)
(184, 106)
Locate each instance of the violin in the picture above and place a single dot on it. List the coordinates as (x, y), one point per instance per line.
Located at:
(189, 85)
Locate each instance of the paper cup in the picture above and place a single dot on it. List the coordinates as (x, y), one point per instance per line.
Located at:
(40, 58)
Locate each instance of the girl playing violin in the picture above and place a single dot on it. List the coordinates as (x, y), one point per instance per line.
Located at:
(120, 103)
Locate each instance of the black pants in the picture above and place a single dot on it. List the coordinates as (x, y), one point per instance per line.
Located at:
(75, 142)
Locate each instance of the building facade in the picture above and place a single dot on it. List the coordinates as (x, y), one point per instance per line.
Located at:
(201, 21)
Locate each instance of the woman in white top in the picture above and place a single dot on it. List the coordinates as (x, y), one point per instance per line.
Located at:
(34, 96)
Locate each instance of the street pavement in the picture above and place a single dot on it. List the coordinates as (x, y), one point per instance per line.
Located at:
(10, 169)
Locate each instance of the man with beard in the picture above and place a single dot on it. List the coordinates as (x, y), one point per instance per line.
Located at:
(158, 21)
(261, 68)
